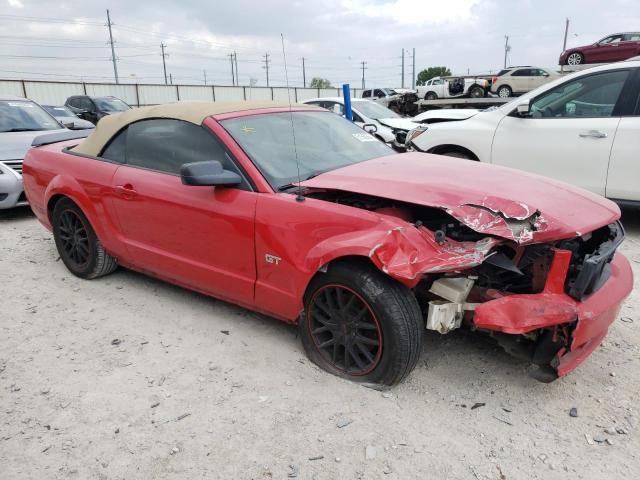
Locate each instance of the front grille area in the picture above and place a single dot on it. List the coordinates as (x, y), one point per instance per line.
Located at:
(14, 164)
(591, 259)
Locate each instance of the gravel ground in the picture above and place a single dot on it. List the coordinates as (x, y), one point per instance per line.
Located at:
(129, 377)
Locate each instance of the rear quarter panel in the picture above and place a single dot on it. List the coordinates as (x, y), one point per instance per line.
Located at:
(48, 172)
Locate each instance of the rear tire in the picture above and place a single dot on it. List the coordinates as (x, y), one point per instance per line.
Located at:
(431, 96)
(476, 91)
(361, 324)
(77, 243)
(504, 91)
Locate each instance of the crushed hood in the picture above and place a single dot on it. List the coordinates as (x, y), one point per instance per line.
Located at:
(489, 199)
(398, 123)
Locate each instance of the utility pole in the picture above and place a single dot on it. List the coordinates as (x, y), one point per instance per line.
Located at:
(205, 76)
(164, 64)
(235, 62)
(304, 75)
(171, 79)
(233, 75)
(413, 73)
(363, 69)
(403, 68)
(266, 66)
(113, 51)
(507, 49)
(564, 43)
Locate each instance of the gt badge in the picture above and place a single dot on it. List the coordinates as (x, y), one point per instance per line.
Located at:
(272, 259)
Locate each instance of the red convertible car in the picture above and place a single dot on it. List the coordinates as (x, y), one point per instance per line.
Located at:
(299, 214)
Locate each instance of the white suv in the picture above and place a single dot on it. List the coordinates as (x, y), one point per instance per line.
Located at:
(518, 80)
(582, 129)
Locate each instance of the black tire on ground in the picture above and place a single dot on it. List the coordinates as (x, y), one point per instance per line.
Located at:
(77, 243)
(361, 324)
(575, 58)
(504, 91)
(476, 91)
(430, 96)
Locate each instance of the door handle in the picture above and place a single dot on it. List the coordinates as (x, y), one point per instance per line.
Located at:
(126, 191)
(593, 134)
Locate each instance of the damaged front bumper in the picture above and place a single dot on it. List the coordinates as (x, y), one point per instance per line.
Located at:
(566, 330)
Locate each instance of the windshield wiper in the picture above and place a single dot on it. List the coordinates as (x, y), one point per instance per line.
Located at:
(289, 186)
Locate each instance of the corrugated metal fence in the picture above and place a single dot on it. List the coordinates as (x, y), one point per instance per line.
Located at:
(55, 93)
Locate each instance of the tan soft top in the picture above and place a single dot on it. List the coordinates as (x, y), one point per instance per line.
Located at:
(194, 112)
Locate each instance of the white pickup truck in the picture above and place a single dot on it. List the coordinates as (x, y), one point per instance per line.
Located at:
(439, 87)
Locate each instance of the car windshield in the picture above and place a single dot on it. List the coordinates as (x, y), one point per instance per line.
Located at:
(24, 116)
(323, 142)
(106, 104)
(374, 110)
(59, 112)
(390, 91)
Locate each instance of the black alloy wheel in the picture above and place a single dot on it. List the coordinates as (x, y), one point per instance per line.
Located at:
(345, 330)
(77, 243)
(74, 239)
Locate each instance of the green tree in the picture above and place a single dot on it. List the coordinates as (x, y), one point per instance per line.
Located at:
(429, 73)
(317, 82)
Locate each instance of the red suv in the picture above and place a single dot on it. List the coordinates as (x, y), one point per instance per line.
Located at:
(613, 48)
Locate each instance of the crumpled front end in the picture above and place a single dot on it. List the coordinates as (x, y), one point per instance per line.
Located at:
(561, 316)
(502, 268)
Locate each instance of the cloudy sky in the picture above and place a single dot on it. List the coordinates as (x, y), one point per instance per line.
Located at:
(67, 39)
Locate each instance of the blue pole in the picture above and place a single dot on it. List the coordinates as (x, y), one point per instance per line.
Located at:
(346, 93)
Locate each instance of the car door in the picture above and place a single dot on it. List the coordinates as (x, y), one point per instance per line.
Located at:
(538, 78)
(629, 46)
(607, 50)
(569, 132)
(520, 80)
(88, 109)
(623, 179)
(201, 237)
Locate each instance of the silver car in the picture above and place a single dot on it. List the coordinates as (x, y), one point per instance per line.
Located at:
(67, 118)
(21, 120)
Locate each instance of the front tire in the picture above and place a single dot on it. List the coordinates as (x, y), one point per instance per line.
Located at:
(361, 325)
(431, 96)
(77, 243)
(575, 58)
(504, 91)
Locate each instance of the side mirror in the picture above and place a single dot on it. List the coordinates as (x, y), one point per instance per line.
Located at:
(523, 109)
(370, 128)
(69, 125)
(209, 174)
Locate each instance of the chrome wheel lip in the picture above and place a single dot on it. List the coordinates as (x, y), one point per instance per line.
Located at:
(349, 338)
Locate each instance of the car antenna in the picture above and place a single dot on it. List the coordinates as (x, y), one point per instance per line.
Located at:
(299, 196)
